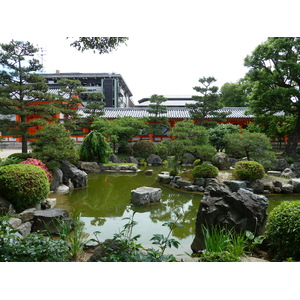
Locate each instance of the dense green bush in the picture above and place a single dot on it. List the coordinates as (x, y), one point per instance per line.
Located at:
(53, 145)
(205, 171)
(283, 230)
(23, 185)
(144, 148)
(249, 170)
(32, 248)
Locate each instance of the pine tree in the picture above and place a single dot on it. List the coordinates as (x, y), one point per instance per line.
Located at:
(20, 89)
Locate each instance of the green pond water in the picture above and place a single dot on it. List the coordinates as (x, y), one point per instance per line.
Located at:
(106, 201)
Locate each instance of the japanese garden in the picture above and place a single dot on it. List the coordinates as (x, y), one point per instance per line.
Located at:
(101, 180)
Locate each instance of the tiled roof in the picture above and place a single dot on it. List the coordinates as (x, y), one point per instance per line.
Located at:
(172, 113)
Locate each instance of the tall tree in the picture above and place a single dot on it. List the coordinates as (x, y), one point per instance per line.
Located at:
(100, 44)
(234, 94)
(156, 109)
(275, 74)
(192, 139)
(119, 131)
(207, 104)
(20, 88)
(93, 108)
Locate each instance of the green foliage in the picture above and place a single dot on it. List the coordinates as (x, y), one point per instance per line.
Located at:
(173, 165)
(119, 131)
(249, 170)
(20, 156)
(274, 72)
(8, 161)
(157, 122)
(216, 134)
(254, 146)
(234, 94)
(94, 148)
(223, 256)
(197, 162)
(20, 88)
(53, 145)
(144, 148)
(283, 230)
(192, 139)
(74, 235)
(207, 104)
(32, 248)
(100, 44)
(23, 185)
(205, 171)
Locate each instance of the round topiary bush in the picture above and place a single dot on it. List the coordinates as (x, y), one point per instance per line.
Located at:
(20, 156)
(283, 230)
(205, 171)
(144, 148)
(249, 170)
(23, 185)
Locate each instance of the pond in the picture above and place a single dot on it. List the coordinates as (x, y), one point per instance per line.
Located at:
(106, 201)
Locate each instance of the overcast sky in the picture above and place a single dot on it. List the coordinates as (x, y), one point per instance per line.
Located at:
(171, 44)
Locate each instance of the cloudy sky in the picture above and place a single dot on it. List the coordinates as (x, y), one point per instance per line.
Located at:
(171, 44)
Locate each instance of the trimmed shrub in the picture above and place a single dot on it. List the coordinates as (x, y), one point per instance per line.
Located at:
(23, 185)
(205, 171)
(38, 163)
(249, 170)
(144, 148)
(283, 230)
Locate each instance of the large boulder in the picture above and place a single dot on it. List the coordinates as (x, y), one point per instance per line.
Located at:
(90, 167)
(241, 210)
(57, 179)
(221, 161)
(78, 177)
(281, 164)
(6, 207)
(145, 195)
(154, 159)
(50, 220)
(296, 184)
(114, 158)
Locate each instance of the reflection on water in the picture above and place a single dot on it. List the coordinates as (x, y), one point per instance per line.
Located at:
(106, 201)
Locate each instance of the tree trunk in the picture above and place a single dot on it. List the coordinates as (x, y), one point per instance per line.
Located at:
(292, 143)
(24, 137)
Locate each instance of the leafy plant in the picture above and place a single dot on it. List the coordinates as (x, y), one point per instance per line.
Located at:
(249, 170)
(94, 148)
(164, 242)
(173, 165)
(32, 248)
(73, 233)
(283, 230)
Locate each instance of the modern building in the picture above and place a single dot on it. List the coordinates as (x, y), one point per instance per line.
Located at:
(111, 85)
